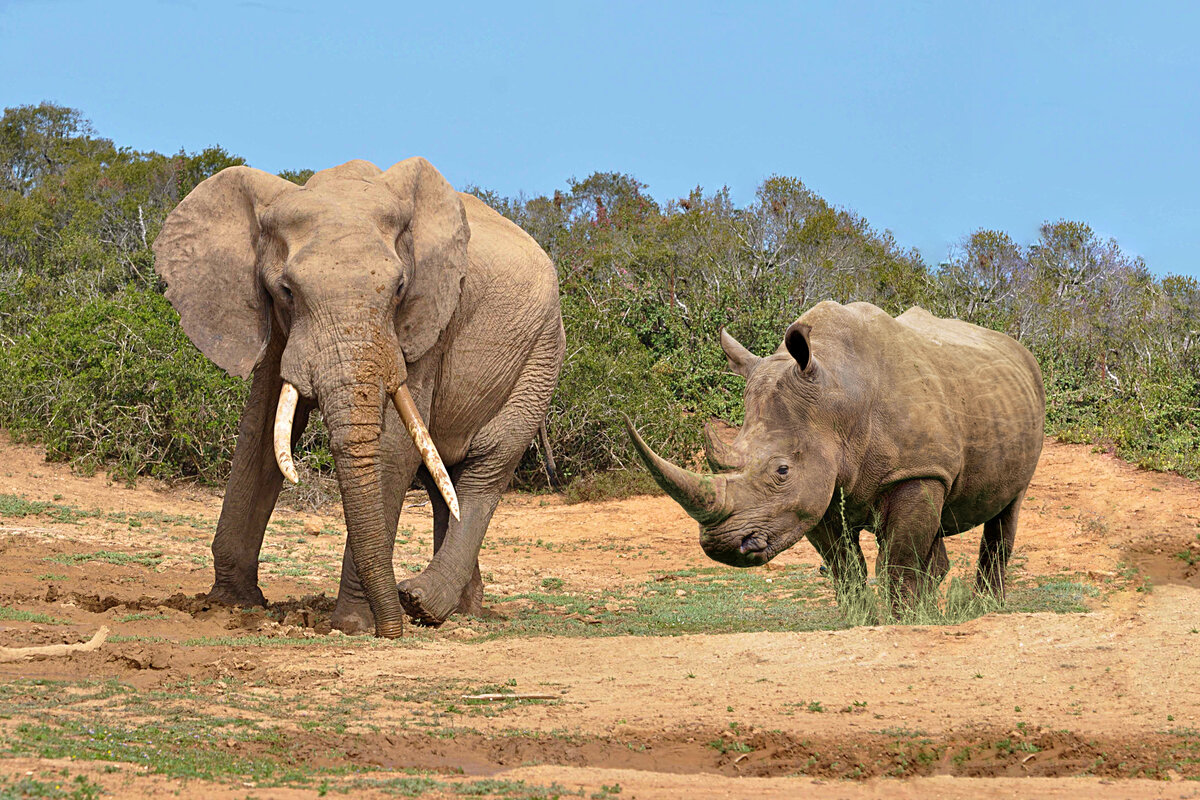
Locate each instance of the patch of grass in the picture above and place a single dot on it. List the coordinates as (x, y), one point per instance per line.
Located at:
(1059, 595)
(400, 787)
(151, 559)
(77, 788)
(716, 600)
(511, 790)
(20, 615)
(140, 616)
(139, 518)
(264, 641)
(13, 505)
(179, 746)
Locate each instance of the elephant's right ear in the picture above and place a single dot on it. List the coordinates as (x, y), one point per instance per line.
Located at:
(438, 232)
(207, 252)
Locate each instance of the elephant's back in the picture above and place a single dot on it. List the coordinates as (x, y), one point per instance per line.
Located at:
(501, 249)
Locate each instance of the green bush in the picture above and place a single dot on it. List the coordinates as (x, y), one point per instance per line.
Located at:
(94, 364)
(115, 381)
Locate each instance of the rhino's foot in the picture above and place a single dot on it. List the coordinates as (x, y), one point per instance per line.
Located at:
(247, 596)
(352, 618)
(428, 599)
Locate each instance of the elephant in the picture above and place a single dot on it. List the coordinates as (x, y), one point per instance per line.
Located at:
(425, 327)
(913, 428)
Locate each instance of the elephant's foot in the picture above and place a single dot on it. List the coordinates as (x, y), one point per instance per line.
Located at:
(429, 599)
(352, 618)
(470, 602)
(247, 596)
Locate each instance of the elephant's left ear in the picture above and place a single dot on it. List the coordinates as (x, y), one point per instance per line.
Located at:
(438, 235)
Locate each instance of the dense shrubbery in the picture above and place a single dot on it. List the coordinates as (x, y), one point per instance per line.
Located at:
(94, 363)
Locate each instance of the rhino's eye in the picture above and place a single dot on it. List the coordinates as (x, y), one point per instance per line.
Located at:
(782, 469)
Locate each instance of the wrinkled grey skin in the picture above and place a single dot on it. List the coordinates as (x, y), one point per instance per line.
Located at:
(347, 288)
(926, 427)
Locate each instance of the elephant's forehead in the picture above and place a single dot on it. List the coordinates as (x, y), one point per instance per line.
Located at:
(342, 202)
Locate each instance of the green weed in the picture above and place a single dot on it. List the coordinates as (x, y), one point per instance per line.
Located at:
(21, 615)
(151, 559)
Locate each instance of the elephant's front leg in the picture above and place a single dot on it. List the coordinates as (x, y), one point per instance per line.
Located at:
(398, 462)
(253, 488)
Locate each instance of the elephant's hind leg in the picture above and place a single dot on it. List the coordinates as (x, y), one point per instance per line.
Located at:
(452, 576)
(471, 600)
(999, 532)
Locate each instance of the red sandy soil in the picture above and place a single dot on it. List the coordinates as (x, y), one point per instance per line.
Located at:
(1088, 700)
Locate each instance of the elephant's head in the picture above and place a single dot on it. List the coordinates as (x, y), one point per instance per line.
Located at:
(360, 272)
(777, 478)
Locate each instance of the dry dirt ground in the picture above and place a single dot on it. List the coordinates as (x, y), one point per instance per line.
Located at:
(654, 672)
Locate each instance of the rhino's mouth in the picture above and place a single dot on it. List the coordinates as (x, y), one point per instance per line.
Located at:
(752, 549)
(750, 545)
(754, 545)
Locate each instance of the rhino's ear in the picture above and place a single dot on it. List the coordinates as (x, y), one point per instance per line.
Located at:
(741, 361)
(796, 342)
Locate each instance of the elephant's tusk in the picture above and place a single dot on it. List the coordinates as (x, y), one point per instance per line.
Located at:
(288, 397)
(429, 454)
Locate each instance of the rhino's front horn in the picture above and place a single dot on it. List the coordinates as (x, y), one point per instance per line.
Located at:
(702, 496)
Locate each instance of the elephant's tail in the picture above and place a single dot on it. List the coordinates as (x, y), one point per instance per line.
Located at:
(548, 457)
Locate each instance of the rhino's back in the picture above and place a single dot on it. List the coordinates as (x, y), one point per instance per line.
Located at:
(950, 400)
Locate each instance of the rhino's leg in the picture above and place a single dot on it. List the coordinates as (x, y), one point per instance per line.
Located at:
(842, 554)
(940, 563)
(995, 548)
(911, 551)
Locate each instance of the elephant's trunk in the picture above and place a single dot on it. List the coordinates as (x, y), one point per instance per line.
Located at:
(354, 415)
(402, 398)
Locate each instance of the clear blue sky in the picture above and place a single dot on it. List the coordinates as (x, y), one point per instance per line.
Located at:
(930, 119)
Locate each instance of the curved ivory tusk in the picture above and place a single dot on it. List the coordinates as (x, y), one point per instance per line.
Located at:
(288, 397)
(429, 454)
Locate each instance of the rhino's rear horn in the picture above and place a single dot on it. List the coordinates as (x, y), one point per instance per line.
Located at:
(720, 456)
(741, 361)
(702, 496)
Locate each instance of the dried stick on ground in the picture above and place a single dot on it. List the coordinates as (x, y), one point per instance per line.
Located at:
(8, 654)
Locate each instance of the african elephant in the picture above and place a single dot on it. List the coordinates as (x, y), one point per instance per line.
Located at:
(392, 303)
(913, 428)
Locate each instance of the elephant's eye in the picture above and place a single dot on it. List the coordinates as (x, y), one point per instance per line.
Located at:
(286, 292)
(400, 287)
(782, 470)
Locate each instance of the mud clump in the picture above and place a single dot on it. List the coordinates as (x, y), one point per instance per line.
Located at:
(139, 657)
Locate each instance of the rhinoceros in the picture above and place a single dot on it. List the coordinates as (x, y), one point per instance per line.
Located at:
(913, 428)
